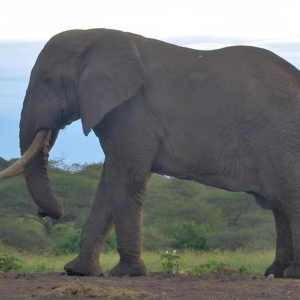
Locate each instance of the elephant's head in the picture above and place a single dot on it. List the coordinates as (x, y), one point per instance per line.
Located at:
(79, 74)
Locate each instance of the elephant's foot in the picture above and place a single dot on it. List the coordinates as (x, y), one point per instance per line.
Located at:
(77, 267)
(130, 269)
(293, 271)
(277, 268)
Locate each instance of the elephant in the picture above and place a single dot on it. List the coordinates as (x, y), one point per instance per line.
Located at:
(226, 118)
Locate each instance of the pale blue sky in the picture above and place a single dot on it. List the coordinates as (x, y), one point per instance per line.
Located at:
(27, 25)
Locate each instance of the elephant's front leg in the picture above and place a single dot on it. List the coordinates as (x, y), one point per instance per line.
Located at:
(94, 235)
(284, 245)
(127, 187)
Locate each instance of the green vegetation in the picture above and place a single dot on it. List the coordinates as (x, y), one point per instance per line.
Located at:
(201, 222)
(8, 263)
(191, 262)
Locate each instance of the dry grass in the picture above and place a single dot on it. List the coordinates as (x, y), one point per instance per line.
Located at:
(80, 290)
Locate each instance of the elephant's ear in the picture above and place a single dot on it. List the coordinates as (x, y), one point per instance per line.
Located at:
(110, 73)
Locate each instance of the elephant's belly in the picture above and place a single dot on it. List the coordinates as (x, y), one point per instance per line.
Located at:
(205, 166)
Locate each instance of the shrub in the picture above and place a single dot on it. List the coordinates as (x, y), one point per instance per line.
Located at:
(24, 235)
(8, 263)
(186, 235)
(240, 239)
(66, 239)
(111, 243)
(155, 240)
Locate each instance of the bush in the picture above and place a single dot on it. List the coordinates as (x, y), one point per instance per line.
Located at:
(155, 240)
(66, 239)
(186, 235)
(8, 263)
(24, 235)
(241, 239)
(67, 245)
(111, 243)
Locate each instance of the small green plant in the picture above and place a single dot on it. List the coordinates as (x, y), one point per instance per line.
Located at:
(170, 261)
(8, 263)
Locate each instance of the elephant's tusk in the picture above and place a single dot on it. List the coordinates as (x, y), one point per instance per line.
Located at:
(40, 141)
(19, 172)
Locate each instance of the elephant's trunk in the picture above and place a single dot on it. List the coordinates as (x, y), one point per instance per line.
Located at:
(36, 174)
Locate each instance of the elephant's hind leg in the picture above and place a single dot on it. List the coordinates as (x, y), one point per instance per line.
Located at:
(284, 246)
(294, 217)
(94, 235)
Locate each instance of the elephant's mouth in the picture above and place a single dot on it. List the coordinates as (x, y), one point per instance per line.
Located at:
(44, 139)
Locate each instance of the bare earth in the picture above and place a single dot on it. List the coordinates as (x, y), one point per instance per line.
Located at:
(158, 286)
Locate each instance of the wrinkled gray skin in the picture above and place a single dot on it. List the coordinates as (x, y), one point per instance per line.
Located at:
(228, 118)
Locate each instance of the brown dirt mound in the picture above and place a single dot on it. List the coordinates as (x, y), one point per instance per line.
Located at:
(80, 290)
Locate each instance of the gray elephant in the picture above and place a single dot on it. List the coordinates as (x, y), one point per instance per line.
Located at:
(227, 118)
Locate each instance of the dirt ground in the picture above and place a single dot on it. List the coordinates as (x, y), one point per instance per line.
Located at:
(158, 286)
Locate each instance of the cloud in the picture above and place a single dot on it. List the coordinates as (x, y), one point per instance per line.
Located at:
(34, 19)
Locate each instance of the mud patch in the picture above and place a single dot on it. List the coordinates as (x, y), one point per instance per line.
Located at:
(81, 290)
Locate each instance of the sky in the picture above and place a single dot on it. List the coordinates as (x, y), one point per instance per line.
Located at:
(25, 27)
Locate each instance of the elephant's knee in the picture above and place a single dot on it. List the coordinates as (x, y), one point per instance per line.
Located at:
(136, 182)
(128, 183)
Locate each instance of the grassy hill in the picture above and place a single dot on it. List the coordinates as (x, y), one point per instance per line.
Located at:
(178, 214)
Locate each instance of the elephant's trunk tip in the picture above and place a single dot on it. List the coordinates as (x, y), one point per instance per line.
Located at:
(56, 214)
